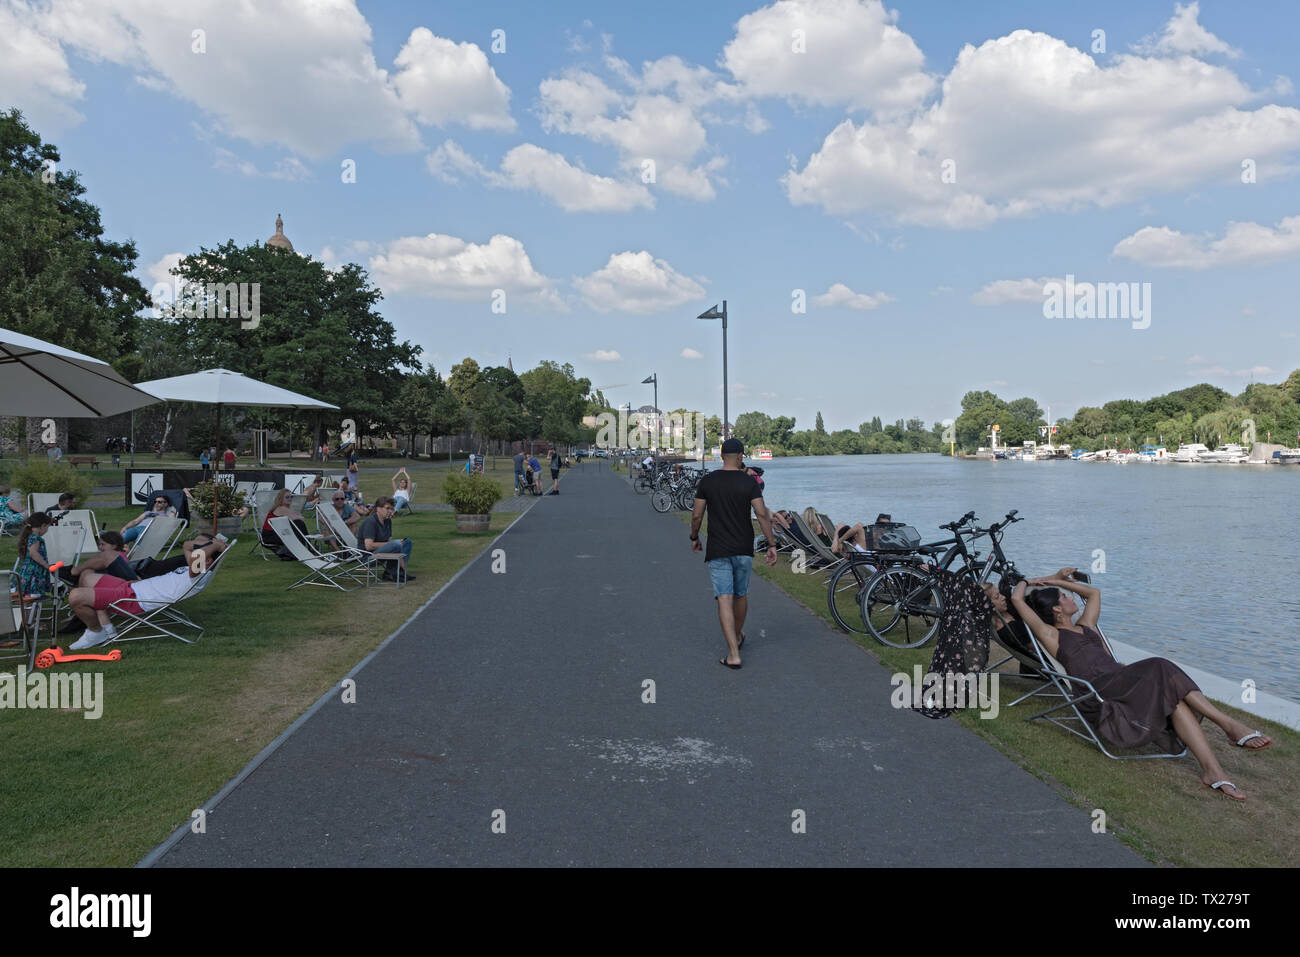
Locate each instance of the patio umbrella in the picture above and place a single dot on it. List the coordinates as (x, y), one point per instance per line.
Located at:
(40, 379)
(222, 387)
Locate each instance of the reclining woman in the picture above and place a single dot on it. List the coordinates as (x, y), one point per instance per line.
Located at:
(852, 536)
(280, 508)
(1149, 701)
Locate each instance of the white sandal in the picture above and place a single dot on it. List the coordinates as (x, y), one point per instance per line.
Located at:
(1220, 785)
(1251, 736)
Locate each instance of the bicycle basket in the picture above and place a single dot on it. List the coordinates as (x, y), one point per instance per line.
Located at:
(894, 537)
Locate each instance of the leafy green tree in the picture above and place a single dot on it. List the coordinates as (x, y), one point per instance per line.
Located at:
(413, 408)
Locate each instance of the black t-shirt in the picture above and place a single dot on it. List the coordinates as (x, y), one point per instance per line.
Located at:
(728, 493)
(375, 530)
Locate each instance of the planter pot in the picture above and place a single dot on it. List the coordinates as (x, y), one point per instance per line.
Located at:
(226, 526)
(473, 524)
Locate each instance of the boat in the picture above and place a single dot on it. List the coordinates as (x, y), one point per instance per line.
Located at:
(1124, 457)
(1230, 454)
(1287, 456)
(1189, 452)
(1153, 453)
(762, 453)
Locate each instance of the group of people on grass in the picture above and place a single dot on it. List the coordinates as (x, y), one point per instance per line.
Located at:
(1152, 701)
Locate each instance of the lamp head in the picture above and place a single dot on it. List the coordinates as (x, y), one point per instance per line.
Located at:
(711, 313)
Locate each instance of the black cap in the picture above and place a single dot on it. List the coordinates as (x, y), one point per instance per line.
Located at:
(733, 447)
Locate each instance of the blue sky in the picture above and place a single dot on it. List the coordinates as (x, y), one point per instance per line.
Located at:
(800, 145)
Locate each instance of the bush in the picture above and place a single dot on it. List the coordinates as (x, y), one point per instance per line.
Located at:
(48, 477)
(471, 494)
(229, 502)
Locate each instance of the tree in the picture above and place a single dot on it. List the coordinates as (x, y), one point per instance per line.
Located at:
(464, 376)
(60, 280)
(413, 408)
(555, 400)
(820, 427)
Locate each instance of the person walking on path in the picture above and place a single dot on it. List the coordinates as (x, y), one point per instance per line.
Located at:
(728, 494)
(555, 472)
(519, 473)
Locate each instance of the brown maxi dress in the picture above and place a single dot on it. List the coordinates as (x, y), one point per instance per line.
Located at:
(1137, 699)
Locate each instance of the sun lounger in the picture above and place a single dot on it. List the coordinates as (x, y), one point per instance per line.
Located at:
(160, 621)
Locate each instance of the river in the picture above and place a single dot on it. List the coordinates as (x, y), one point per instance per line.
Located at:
(1200, 560)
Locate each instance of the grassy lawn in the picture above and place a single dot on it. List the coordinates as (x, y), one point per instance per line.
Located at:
(1158, 807)
(180, 720)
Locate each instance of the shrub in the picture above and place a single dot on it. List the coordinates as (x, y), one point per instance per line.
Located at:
(48, 477)
(471, 494)
(229, 502)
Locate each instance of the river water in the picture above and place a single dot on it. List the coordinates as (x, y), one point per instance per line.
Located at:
(1200, 560)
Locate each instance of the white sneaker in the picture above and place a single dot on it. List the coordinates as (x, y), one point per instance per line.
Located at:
(92, 639)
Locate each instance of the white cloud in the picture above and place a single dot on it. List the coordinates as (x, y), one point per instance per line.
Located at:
(637, 283)
(603, 355)
(853, 55)
(1256, 370)
(767, 395)
(841, 295)
(1242, 244)
(657, 125)
(570, 187)
(997, 382)
(446, 267)
(443, 82)
(288, 168)
(1184, 34)
(689, 353)
(1027, 124)
(1012, 290)
(282, 73)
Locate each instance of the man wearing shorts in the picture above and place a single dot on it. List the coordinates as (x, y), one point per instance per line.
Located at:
(96, 592)
(728, 494)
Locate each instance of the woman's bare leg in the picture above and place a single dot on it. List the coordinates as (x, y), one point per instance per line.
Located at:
(1233, 728)
(1188, 728)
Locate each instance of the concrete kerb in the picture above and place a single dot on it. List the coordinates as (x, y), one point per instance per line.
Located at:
(211, 805)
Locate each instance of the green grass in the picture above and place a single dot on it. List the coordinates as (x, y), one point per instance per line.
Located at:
(179, 721)
(1158, 807)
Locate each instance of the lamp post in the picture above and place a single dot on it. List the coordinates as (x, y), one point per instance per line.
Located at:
(713, 313)
(653, 378)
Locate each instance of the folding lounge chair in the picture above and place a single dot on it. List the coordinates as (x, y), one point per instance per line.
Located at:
(261, 504)
(1071, 690)
(328, 570)
(818, 552)
(20, 622)
(406, 506)
(159, 622)
(83, 517)
(40, 501)
(339, 530)
(159, 538)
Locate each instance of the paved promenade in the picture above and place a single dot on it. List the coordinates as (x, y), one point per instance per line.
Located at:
(516, 698)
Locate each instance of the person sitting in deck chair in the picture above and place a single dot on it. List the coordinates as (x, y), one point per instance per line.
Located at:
(401, 488)
(1149, 701)
(376, 535)
(838, 540)
(9, 516)
(67, 502)
(160, 507)
(281, 508)
(90, 600)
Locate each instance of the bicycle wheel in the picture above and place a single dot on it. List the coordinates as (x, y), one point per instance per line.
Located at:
(661, 500)
(844, 596)
(901, 607)
(643, 484)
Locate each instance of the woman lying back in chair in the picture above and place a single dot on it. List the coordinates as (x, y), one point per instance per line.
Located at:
(1148, 701)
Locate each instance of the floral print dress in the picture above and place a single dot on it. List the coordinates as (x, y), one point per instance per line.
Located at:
(33, 579)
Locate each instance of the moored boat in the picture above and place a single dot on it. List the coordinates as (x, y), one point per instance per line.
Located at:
(1189, 452)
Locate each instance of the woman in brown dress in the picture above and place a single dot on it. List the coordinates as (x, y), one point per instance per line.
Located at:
(1149, 701)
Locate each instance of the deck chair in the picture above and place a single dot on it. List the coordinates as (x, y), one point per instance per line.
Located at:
(19, 621)
(83, 517)
(159, 538)
(333, 570)
(1071, 690)
(159, 622)
(819, 552)
(62, 544)
(258, 508)
(332, 479)
(40, 501)
(337, 528)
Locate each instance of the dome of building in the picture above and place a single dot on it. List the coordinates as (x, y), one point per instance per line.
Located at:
(280, 239)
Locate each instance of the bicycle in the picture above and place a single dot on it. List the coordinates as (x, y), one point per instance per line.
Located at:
(909, 594)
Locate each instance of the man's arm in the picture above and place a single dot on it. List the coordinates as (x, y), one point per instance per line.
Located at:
(697, 516)
(765, 523)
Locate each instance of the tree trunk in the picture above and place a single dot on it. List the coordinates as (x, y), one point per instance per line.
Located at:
(167, 431)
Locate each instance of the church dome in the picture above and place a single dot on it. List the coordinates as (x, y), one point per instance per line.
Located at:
(280, 239)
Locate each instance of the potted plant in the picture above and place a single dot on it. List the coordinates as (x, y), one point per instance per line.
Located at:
(472, 496)
(228, 502)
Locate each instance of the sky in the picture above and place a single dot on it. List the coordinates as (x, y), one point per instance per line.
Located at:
(881, 193)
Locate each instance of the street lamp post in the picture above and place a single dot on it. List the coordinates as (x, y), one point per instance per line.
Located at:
(653, 378)
(713, 313)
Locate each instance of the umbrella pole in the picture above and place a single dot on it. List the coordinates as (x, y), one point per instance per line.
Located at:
(133, 438)
(217, 443)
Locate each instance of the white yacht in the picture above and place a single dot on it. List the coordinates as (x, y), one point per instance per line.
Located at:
(1232, 454)
(1189, 452)
(1153, 453)
(1288, 457)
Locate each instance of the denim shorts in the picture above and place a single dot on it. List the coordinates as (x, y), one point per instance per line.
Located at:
(731, 575)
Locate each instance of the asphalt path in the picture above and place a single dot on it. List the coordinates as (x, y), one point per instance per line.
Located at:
(508, 724)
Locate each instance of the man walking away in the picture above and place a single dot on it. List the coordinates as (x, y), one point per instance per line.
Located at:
(728, 494)
(519, 472)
